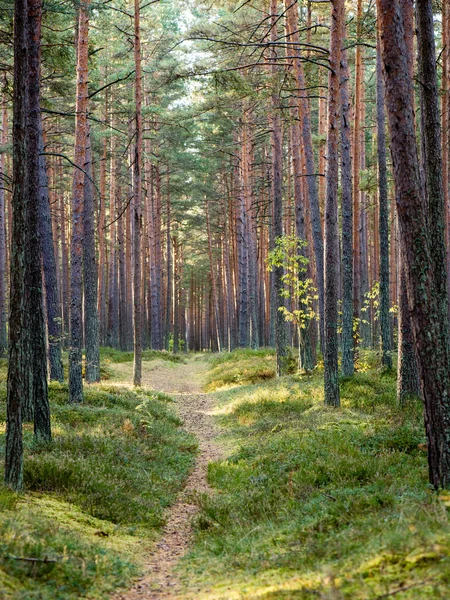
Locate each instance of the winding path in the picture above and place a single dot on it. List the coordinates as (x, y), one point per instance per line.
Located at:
(182, 382)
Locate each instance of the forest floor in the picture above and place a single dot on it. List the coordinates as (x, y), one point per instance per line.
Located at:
(217, 481)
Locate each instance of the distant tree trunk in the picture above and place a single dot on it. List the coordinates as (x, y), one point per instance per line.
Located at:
(116, 321)
(169, 271)
(65, 285)
(356, 177)
(137, 204)
(348, 366)
(430, 331)
(331, 209)
(277, 196)
(18, 331)
(311, 175)
(306, 354)
(242, 255)
(50, 272)
(385, 319)
(76, 241)
(213, 280)
(102, 248)
(3, 336)
(90, 273)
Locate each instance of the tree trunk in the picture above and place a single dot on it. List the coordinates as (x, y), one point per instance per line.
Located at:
(90, 272)
(35, 308)
(277, 198)
(3, 335)
(348, 366)
(430, 331)
(331, 210)
(18, 331)
(137, 204)
(50, 273)
(385, 319)
(76, 240)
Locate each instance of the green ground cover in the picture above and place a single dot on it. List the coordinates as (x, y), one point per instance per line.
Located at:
(95, 497)
(314, 502)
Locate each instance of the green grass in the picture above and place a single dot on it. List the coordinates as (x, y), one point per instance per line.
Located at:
(317, 502)
(241, 367)
(95, 497)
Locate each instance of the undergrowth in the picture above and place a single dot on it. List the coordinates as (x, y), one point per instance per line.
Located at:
(95, 497)
(241, 367)
(319, 502)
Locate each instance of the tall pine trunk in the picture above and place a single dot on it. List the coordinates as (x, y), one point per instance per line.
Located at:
(137, 204)
(76, 240)
(277, 198)
(423, 286)
(331, 252)
(90, 274)
(385, 320)
(348, 365)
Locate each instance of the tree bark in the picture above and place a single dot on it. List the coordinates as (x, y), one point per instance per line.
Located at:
(76, 240)
(36, 324)
(90, 274)
(348, 365)
(331, 251)
(277, 198)
(3, 334)
(385, 320)
(137, 204)
(18, 338)
(423, 287)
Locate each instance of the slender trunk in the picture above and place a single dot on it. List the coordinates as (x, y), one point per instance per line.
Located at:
(169, 271)
(213, 280)
(277, 196)
(356, 178)
(385, 320)
(331, 209)
(348, 366)
(76, 240)
(90, 273)
(50, 273)
(308, 149)
(102, 248)
(3, 335)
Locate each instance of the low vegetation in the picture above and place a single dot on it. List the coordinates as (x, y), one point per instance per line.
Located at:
(95, 496)
(240, 367)
(318, 502)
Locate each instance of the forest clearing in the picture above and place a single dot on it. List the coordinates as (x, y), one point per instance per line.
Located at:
(224, 299)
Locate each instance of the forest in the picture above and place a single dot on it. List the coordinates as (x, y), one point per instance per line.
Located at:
(224, 299)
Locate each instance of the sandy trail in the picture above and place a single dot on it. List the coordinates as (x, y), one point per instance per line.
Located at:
(183, 383)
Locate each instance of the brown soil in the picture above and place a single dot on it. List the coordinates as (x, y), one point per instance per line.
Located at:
(195, 408)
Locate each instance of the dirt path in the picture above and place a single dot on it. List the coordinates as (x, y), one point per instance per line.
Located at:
(183, 383)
